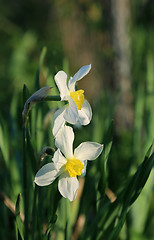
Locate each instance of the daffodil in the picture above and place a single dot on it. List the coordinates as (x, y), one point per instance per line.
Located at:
(78, 110)
(68, 165)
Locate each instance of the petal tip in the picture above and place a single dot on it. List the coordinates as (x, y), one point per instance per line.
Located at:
(35, 181)
(61, 73)
(89, 65)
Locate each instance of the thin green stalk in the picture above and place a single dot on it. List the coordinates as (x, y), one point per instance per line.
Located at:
(52, 98)
(34, 213)
(25, 185)
(67, 220)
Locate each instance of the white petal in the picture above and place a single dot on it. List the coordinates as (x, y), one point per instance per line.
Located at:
(46, 175)
(80, 74)
(71, 86)
(85, 114)
(68, 186)
(58, 159)
(60, 79)
(84, 170)
(88, 151)
(71, 114)
(64, 141)
(58, 120)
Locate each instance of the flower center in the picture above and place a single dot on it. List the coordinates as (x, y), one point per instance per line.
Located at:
(74, 167)
(78, 98)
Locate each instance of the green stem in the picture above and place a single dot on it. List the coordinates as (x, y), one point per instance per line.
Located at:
(52, 98)
(34, 213)
(25, 185)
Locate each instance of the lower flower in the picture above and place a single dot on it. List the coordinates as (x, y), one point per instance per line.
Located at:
(68, 165)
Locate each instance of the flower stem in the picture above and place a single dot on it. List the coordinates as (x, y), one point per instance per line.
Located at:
(52, 98)
(25, 185)
(34, 212)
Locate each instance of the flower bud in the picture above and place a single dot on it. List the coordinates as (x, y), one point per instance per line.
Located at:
(38, 96)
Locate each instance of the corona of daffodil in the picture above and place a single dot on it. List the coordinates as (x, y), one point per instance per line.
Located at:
(68, 165)
(78, 110)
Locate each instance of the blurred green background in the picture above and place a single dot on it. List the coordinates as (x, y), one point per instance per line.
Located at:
(117, 38)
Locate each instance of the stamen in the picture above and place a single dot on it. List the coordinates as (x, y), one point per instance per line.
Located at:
(74, 167)
(78, 98)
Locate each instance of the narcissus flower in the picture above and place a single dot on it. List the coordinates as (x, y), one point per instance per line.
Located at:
(68, 165)
(78, 109)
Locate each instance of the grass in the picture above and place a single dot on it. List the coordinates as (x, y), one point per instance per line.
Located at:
(110, 201)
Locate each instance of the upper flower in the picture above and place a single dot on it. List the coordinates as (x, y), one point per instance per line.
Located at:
(66, 164)
(78, 109)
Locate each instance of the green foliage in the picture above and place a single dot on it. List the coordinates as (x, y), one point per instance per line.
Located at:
(116, 197)
(50, 214)
(19, 223)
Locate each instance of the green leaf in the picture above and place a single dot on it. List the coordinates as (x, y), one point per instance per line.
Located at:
(108, 144)
(51, 224)
(139, 179)
(110, 222)
(133, 190)
(19, 223)
(42, 56)
(104, 159)
(4, 143)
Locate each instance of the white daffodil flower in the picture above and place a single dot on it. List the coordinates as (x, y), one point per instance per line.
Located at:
(68, 165)
(78, 110)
